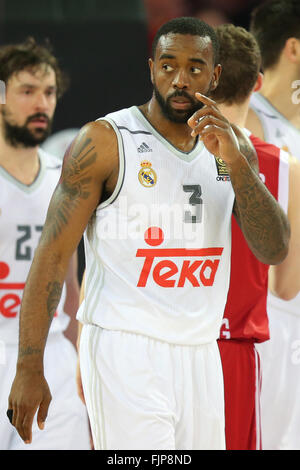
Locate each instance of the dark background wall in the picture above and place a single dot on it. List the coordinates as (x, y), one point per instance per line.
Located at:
(101, 44)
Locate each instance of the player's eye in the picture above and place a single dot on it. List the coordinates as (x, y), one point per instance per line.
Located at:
(50, 92)
(195, 70)
(167, 67)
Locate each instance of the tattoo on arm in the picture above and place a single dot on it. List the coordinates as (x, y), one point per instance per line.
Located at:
(74, 185)
(54, 292)
(260, 217)
(248, 150)
(29, 351)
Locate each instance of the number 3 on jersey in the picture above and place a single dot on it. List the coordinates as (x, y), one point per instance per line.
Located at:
(193, 216)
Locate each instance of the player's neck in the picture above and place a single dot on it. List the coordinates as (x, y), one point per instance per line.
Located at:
(179, 134)
(236, 113)
(279, 89)
(22, 163)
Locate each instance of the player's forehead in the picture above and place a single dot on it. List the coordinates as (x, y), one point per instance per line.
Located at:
(184, 45)
(40, 75)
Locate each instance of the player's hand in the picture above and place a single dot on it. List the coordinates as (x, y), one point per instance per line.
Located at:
(29, 394)
(214, 130)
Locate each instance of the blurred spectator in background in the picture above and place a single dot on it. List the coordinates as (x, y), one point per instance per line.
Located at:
(213, 12)
(212, 16)
(160, 11)
(232, 11)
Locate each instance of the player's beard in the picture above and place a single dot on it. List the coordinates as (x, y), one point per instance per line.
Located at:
(178, 115)
(22, 136)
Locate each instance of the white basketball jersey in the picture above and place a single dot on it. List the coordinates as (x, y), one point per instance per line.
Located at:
(158, 250)
(280, 132)
(277, 129)
(23, 211)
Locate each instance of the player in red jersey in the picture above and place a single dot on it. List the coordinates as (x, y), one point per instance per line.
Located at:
(245, 319)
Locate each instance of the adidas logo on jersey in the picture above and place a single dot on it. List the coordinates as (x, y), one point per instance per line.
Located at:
(144, 148)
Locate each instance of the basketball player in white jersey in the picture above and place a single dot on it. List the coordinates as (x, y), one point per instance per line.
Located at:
(275, 117)
(28, 177)
(155, 201)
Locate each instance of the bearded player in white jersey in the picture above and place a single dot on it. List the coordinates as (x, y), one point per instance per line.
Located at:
(275, 117)
(155, 187)
(28, 177)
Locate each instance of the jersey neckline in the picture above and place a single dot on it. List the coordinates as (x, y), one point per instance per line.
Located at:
(275, 111)
(24, 187)
(185, 156)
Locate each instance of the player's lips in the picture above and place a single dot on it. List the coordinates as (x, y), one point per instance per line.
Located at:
(180, 103)
(40, 122)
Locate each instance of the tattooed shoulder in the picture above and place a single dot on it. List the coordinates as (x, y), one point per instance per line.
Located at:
(78, 158)
(82, 178)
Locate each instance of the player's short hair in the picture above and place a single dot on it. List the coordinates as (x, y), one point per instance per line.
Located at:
(187, 26)
(29, 55)
(240, 59)
(272, 23)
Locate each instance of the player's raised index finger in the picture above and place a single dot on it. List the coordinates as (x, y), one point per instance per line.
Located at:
(204, 99)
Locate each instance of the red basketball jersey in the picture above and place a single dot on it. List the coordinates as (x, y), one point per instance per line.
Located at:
(245, 315)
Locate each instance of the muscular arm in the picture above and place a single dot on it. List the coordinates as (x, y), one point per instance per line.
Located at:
(262, 220)
(260, 217)
(88, 165)
(284, 279)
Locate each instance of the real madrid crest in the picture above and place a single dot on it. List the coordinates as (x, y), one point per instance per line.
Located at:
(147, 176)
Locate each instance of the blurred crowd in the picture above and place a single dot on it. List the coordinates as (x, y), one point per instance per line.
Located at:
(214, 12)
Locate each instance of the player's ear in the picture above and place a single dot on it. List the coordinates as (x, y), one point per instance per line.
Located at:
(216, 76)
(151, 66)
(292, 50)
(259, 82)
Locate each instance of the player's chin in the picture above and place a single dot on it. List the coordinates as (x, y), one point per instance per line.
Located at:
(35, 140)
(40, 135)
(181, 116)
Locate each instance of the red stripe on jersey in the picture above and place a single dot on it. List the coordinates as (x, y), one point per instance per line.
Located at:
(245, 315)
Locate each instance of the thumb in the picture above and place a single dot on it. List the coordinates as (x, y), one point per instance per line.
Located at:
(43, 411)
